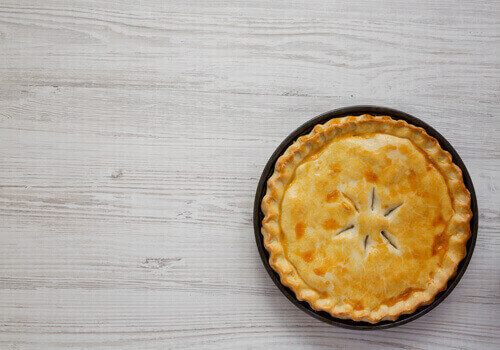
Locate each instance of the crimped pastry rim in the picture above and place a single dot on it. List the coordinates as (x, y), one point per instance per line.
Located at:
(322, 133)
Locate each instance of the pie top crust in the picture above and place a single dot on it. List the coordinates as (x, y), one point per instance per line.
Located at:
(366, 218)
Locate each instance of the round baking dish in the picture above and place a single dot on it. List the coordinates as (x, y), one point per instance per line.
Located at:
(258, 216)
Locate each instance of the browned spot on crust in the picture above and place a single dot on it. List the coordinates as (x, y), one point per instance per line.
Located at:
(307, 256)
(429, 166)
(332, 196)
(330, 224)
(402, 296)
(370, 176)
(300, 229)
(440, 243)
(334, 169)
(322, 294)
(319, 271)
(413, 181)
(356, 304)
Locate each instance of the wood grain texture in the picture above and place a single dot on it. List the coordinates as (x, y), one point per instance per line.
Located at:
(133, 134)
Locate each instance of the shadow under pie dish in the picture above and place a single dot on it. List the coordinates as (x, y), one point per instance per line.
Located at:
(366, 218)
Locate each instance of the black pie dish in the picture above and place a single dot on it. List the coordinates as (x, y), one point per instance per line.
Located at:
(258, 216)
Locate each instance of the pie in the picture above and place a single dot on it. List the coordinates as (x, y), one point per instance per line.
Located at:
(366, 218)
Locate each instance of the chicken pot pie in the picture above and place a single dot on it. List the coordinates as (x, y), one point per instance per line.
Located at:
(366, 218)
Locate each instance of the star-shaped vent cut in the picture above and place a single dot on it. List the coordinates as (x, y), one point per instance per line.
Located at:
(371, 222)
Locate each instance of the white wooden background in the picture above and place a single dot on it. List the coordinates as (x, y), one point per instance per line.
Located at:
(133, 134)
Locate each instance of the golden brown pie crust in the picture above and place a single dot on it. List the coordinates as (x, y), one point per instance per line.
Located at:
(366, 218)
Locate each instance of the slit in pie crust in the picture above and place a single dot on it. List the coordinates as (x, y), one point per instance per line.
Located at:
(366, 218)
